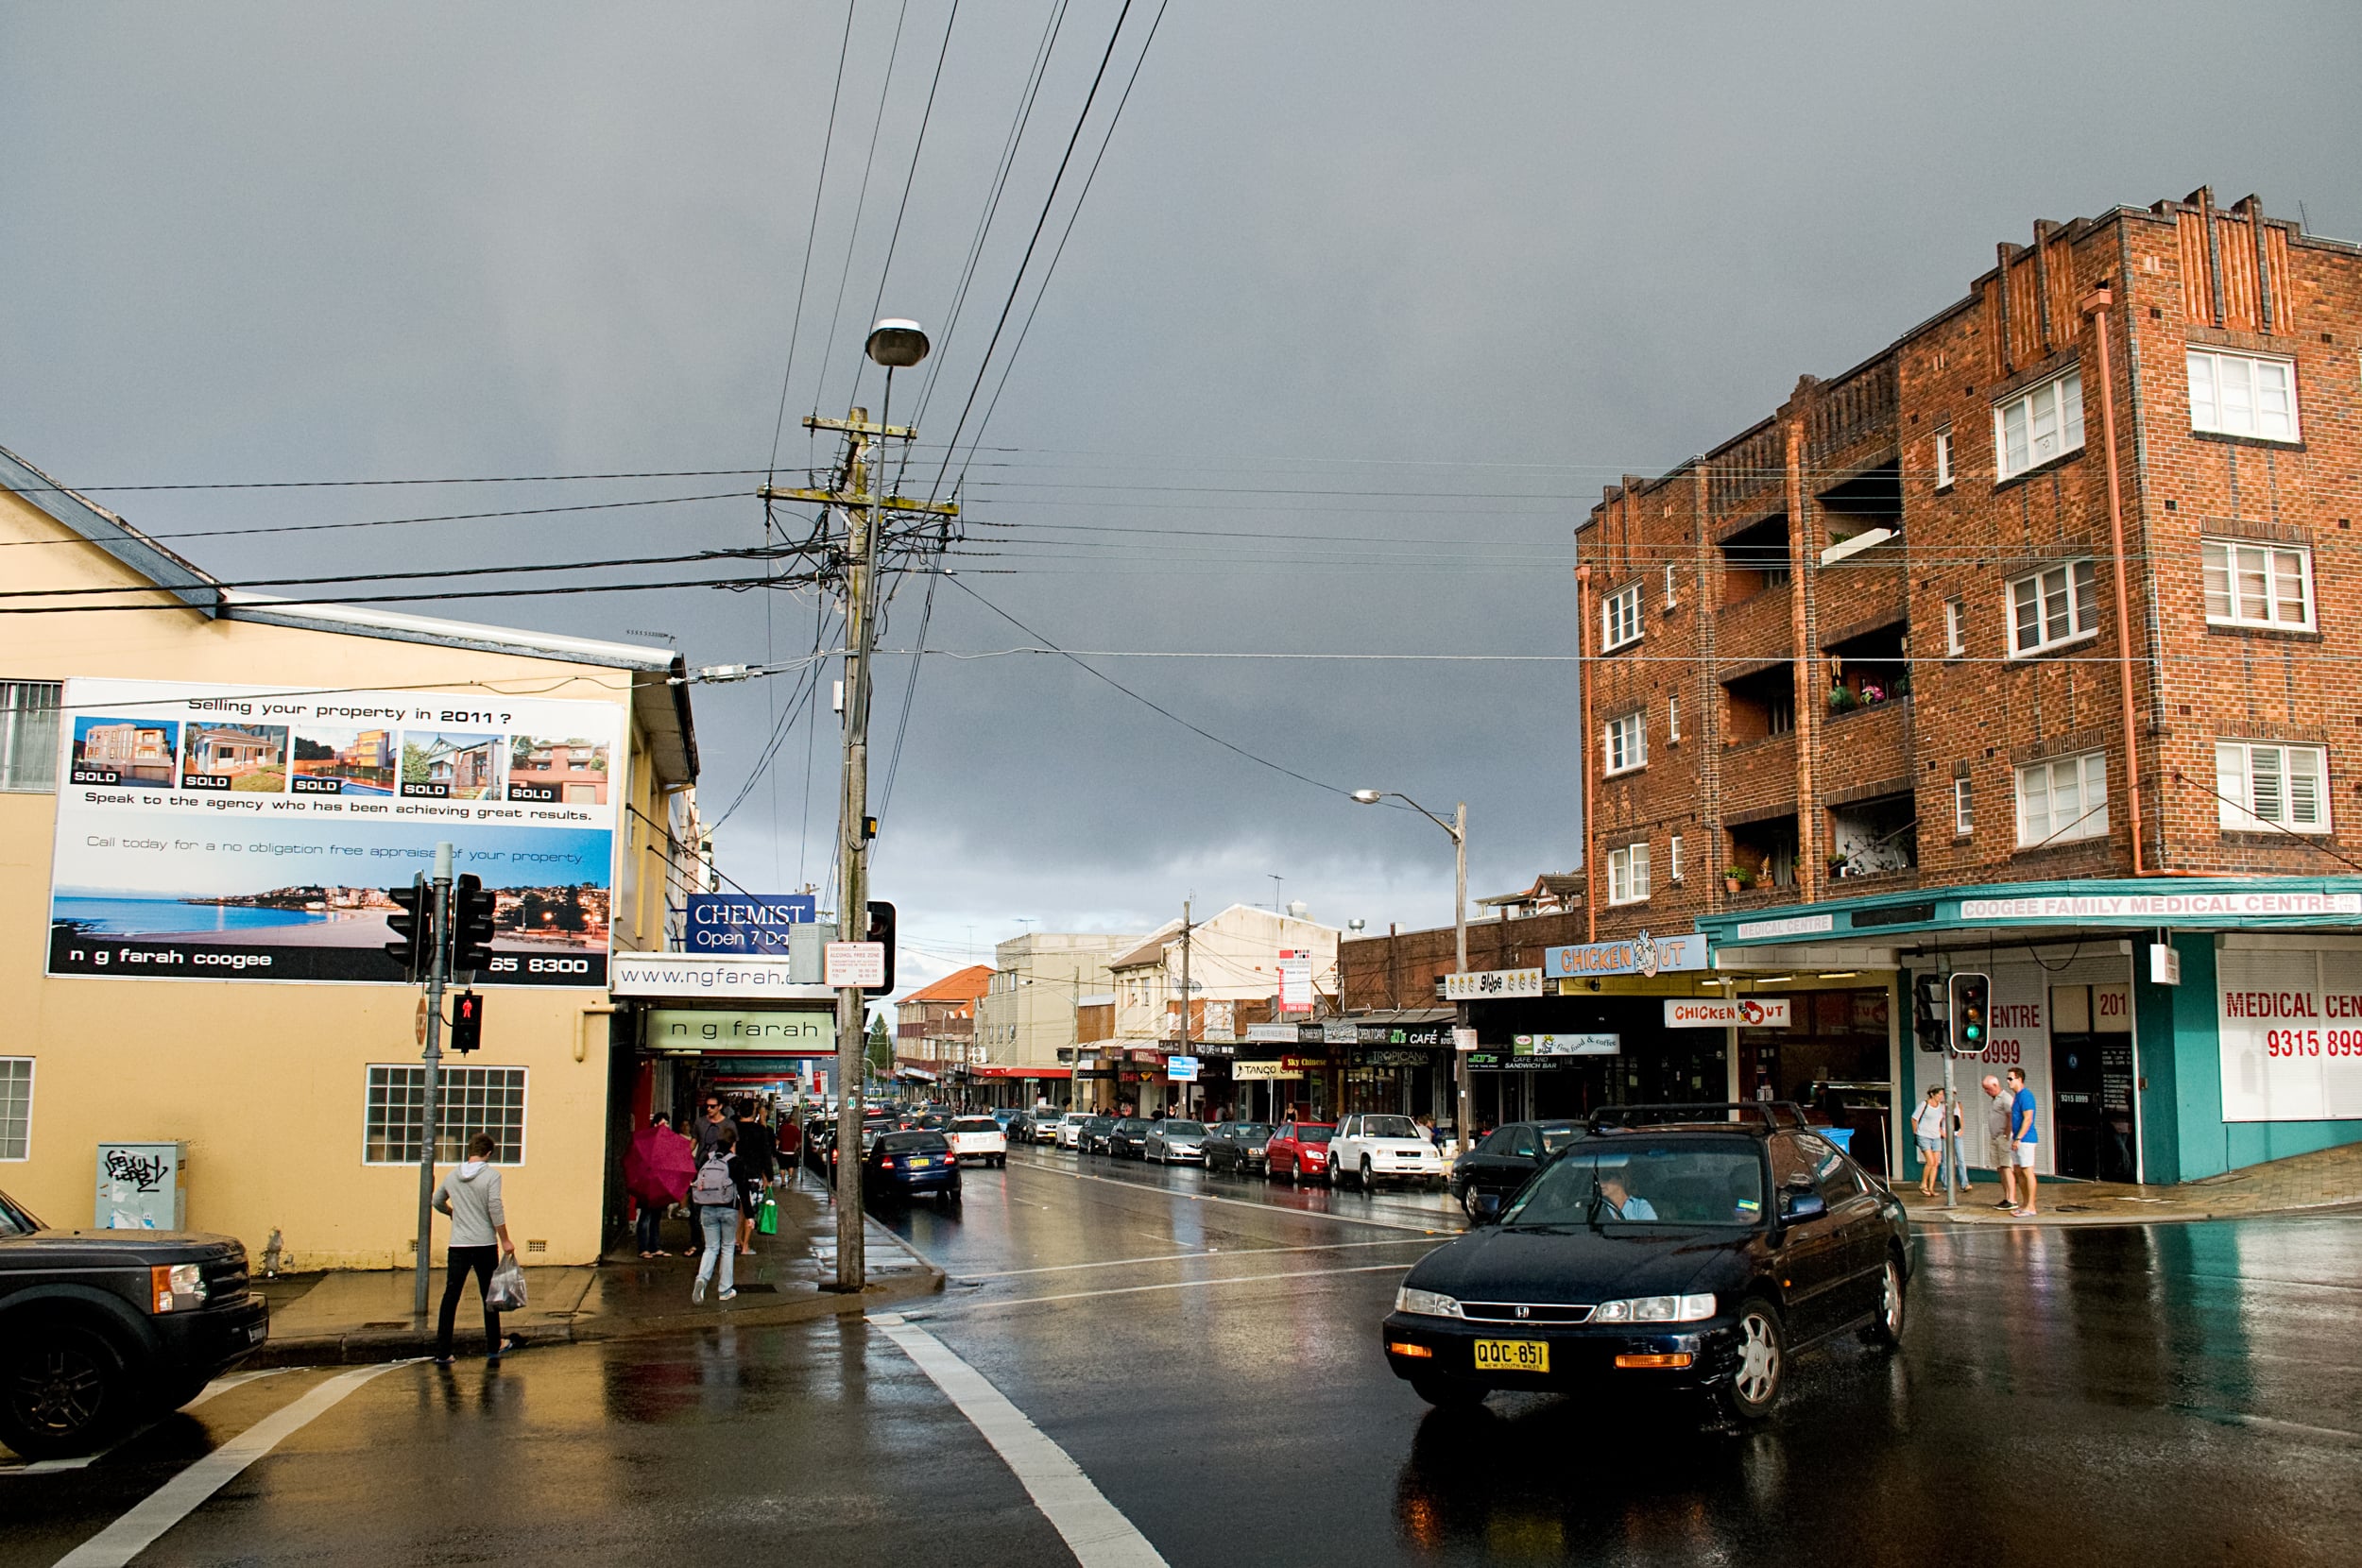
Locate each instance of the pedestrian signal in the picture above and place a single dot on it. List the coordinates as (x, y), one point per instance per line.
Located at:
(1971, 997)
(471, 925)
(881, 932)
(467, 1021)
(1927, 1005)
(412, 925)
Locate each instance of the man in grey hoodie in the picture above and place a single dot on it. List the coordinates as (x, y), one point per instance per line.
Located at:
(470, 1194)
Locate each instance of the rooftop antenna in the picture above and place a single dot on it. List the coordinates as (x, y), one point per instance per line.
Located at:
(1275, 890)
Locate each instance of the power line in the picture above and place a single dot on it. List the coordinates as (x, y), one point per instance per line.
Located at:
(410, 576)
(736, 584)
(403, 522)
(811, 233)
(917, 148)
(861, 203)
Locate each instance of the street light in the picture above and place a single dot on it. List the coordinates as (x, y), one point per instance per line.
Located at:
(1458, 829)
(897, 344)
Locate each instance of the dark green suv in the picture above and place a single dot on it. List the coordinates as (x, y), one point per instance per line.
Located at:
(99, 1328)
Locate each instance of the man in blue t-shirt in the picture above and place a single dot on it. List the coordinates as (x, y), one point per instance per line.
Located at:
(2022, 1138)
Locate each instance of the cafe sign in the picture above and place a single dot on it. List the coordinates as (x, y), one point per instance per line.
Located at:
(1485, 984)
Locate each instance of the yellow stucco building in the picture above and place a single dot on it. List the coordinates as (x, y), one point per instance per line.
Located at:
(290, 1097)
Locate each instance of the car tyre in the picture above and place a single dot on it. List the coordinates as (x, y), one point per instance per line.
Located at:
(1448, 1393)
(1885, 1329)
(1368, 1181)
(63, 1392)
(1296, 1174)
(1753, 1390)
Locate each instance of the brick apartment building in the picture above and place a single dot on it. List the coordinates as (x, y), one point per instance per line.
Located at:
(2027, 645)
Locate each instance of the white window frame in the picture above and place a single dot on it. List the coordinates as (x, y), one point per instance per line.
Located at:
(2251, 785)
(1620, 619)
(2220, 380)
(2077, 588)
(1955, 628)
(452, 1106)
(2234, 562)
(1624, 746)
(1672, 598)
(28, 735)
(1673, 858)
(1964, 808)
(2088, 817)
(1944, 460)
(1628, 873)
(2049, 425)
(8, 1077)
(1674, 717)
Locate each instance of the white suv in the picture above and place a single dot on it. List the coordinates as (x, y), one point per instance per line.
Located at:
(1369, 1148)
(1071, 1129)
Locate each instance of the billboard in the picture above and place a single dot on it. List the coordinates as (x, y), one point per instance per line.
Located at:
(219, 832)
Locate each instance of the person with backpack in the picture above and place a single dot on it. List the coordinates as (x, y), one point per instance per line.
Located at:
(470, 1194)
(718, 1193)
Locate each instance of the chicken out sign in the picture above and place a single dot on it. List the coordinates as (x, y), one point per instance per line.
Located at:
(1726, 1011)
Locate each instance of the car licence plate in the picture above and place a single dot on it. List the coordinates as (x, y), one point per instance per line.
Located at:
(1524, 1355)
(920, 1165)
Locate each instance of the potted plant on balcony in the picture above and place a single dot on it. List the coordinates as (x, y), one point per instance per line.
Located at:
(1739, 879)
(1837, 863)
(1842, 699)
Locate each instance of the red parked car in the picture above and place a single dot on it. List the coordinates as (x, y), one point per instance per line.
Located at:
(1299, 1151)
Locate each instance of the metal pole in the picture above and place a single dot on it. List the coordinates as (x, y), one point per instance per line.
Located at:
(1184, 981)
(1943, 1131)
(852, 1037)
(438, 932)
(1459, 949)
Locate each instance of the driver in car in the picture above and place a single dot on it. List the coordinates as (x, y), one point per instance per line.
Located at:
(1620, 1202)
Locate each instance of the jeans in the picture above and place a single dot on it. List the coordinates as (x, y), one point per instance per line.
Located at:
(458, 1263)
(720, 1223)
(651, 1226)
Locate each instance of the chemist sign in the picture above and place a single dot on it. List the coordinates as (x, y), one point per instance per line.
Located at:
(746, 922)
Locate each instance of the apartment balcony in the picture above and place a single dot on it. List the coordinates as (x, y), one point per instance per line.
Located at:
(1756, 628)
(1759, 775)
(1865, 740)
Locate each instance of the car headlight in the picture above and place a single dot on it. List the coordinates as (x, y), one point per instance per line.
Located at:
(177, 1287)
(1655, 1309)
(1425, 1303)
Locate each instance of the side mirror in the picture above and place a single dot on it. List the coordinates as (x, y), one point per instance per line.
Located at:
(1802, 1205)
(1488, 1209)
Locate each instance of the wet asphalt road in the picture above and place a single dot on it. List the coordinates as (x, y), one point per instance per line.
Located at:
(1206, 1352)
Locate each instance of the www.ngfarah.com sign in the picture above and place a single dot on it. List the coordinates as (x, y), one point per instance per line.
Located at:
(220, 832)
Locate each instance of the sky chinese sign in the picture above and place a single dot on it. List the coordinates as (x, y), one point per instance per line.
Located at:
(215, 832)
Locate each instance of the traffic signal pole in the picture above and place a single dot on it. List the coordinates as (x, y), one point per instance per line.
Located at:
(436, 933)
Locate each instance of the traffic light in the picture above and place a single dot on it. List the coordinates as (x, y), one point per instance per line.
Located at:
(471, 925)
(882, 930)
(467, 1021)
(412, 925)
(1971, 996)
(1927, 1003)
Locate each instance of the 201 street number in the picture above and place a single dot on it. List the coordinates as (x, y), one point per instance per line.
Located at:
(2312, 1042)
(1526, 1356)
(541, 965)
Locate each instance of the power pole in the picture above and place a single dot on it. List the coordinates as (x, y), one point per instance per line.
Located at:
(861, 499)
(1185, 979)
(438, 969)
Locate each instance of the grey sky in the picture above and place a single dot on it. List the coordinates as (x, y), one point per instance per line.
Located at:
(1399, 284)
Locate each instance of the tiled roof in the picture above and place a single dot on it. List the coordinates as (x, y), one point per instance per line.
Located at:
(964, 985)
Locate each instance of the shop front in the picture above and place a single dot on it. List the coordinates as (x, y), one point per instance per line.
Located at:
(991, 1086)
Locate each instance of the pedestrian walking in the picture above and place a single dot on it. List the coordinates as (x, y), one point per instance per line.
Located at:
(711, 1124)
(717, 1194)
(2002, 1148)
(470, 1196)
(2023, 1140)
(758, 1156)
(656, 1173)
(1928, 1132)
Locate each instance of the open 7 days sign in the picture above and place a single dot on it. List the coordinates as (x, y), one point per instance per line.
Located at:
(1726, 1013)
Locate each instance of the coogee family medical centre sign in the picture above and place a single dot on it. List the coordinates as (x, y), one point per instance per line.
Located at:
(214, 832)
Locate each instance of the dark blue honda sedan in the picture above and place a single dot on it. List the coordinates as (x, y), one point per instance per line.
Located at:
(912, 1165)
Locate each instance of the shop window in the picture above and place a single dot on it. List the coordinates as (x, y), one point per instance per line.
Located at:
(2063, 800)
(2266, 787)
(2053, 608)
(16, 1107)
(28, 735)
(2039, 425)
(467, 1100)
(2256, 585)
(2243, 395)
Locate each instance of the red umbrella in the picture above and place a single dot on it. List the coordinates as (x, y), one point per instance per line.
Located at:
(658, 1165)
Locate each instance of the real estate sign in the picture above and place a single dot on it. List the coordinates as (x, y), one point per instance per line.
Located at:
(235, 832)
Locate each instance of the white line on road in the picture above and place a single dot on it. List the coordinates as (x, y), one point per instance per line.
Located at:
(222, 1385)
(968, 1306)
(1094, 1529)
(1245, 1203)
(1210, 1252)
(160, 1509)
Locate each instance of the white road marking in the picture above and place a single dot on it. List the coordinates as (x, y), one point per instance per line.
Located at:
(160, 1509)
(1245, 1203)
(222, 1385)
(969, 1305)
(1094, 1529)
(1175, 1257)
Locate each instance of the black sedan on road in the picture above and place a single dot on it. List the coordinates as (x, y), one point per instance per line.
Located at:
(1690, 1255)
(1506, 1158)
(911, 1165)
(1095, 1134)
(1236, 1146)
(1128, 1138)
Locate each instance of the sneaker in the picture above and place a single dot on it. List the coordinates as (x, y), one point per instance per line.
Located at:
(728, 1296)
(697, 1293)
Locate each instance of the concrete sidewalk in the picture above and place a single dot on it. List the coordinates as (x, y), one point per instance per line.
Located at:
(319, 1320)
(2329, 1178)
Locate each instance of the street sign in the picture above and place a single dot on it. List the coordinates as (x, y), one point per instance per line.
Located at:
(853, 963)
(1181, 1069)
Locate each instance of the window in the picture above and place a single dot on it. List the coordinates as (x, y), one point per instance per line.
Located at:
(2039, 425)
(1628, 873)
(467, 1100)
(1955, 628)
(16, 1107)
(1963, 808)
(2241, 395)
(2053, 608)
(1674, 717)
(28, 735)
(2266, 787)
(2258, 584)
(1620, 619)
(1671, 598)
(1944, 460)
(1779, 713)
(1627, 743)
(2061, 801)
(1673, 858)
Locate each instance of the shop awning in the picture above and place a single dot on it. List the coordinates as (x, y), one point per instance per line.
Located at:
(1019, 1072)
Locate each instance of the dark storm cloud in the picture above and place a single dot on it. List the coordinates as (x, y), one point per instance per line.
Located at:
(1478, 260)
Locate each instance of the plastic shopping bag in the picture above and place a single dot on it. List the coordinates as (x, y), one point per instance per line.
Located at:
(767, 1217)
(507, 1292)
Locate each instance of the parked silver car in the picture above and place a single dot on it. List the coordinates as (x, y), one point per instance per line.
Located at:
(1175, 1143)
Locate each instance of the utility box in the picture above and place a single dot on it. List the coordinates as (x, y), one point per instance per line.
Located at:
(143, 1186)
(806, 951)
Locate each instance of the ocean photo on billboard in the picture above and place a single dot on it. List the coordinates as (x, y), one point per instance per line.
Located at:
(170, 916)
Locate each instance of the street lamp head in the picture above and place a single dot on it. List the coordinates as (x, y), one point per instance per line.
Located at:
(897, 344)
(1367, 797)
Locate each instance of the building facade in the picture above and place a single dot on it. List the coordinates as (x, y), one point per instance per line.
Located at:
(935, 1027)
(1246, 964)
(1029, 1020)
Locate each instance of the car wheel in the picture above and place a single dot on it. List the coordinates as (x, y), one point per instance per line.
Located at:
(1753, 1387)
(1886, 1328)
(1468, 1200)
(1447, 1393)
(63, 1392)
(1368, 1183)
(1296, 1174)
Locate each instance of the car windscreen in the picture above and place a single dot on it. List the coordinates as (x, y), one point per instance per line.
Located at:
(1557, 1136)
(1389, 1127)
(1248, 1131)
(13, 1221)
(1314, 1134)
(1636, 1181)
(913, 1143)
(975, 1124)
(1185, 1130)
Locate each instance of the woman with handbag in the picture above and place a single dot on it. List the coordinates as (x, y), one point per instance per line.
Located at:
(470, 1194)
